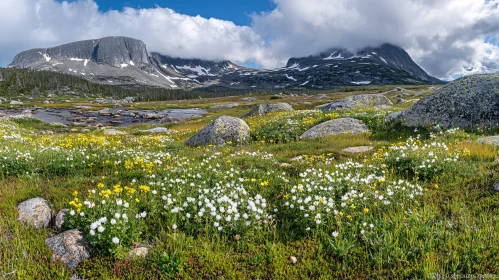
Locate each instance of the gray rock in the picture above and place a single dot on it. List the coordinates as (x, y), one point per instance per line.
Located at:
(357, 101)
(113, 132)
(394, 117)
(220, 131)
(496, 187)
(400, 101)
(335, 127)
(269, 108)
(152, 116)
(155, 130)
(358, 150)
(14, 102)
(59, 219)
(224, 106)
(69, 247)
(469, 102)
(249, 99)
(35, 212)
(139, 252)
(491, 140)
(105, 112)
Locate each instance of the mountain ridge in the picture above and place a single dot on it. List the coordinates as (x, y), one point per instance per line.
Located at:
(125, 61)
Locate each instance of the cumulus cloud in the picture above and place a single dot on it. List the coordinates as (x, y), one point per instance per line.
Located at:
(445, 37)
(26, 24)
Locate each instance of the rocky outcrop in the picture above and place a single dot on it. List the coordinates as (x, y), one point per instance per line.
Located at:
(114, 51)
(469, 102)
(358, 150)
(357, 101)
(221, 131)
(335, 127)
(35, 212)
(269, 108)
(69, 247)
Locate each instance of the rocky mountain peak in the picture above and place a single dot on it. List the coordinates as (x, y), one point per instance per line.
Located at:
(113, 51)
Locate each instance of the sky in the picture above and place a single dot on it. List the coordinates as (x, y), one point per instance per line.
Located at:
(447, 38)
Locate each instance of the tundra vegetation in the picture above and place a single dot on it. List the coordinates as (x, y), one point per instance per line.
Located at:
(276, 207)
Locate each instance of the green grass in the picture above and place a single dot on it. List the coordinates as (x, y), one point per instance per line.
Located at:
(452, 228)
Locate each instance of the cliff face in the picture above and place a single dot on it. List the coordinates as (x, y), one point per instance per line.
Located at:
(113, 51)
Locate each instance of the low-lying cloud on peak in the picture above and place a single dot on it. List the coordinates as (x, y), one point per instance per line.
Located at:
(445, 37)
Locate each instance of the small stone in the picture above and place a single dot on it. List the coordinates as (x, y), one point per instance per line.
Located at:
(139, 252)
(59, 219)
(491, 140)
(13, 102)
(105, 112)
(35, 212)
(293, 259)
(155, 130)
(113, 132)
(496, 187)
(285, 164)
(224, 106)
(69, 247)
(358, 150)
(298, 158)
(269, 108)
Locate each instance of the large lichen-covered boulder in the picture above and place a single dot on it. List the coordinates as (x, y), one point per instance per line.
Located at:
(357, 101)
(264, 109)
(335, 127)
(221, 131)
(35, 212)
(469, 102)
(69, 247)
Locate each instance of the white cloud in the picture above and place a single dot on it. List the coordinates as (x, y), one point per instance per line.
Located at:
(26, 24)
(444, 36)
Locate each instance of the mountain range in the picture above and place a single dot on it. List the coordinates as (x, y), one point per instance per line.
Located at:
(126, 62)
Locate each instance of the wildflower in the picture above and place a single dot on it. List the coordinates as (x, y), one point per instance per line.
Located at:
(365, 210)
(335, 234)
(174, 226)
(116, 240)
(100, 229)
(113, 221)
(92, 232)
(72, 213)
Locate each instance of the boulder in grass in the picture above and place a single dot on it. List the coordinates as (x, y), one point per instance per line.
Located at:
(264, 109)
(139, 252)
(155, 130)
(221, 131)
(113, 132)
(35, 212)
(469, 102)
(491, 140)
(69, 247)
(357, 101)
(335, 127)
(358, 150)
